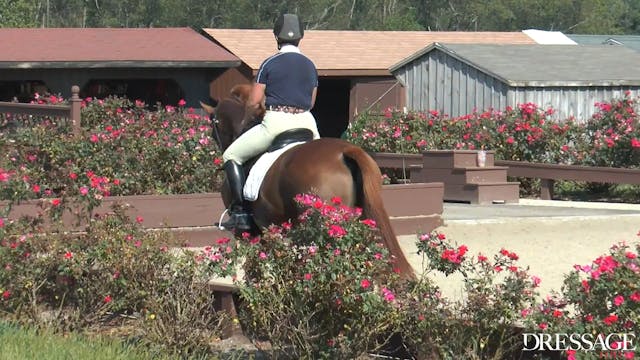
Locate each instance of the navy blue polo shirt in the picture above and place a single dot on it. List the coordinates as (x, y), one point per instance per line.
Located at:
(289, 77)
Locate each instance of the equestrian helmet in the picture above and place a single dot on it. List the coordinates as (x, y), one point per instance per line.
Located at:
(288, 28)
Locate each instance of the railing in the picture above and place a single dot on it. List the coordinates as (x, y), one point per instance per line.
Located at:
(547, 173)
(71, 111)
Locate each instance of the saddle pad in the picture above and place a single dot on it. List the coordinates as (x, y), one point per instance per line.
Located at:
(259, 170)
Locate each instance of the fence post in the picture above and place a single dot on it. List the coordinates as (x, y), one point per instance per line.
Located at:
(76, 107)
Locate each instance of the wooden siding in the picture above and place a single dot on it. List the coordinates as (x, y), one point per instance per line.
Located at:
(577, 102)
(373, 94)
(438, 81)
(221, 86)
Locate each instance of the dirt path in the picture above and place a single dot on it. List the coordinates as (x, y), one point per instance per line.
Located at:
(550, 246)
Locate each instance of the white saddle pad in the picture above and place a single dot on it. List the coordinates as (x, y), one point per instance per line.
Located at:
(259, 170)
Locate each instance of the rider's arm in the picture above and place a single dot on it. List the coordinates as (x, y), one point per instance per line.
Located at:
(313, 96)
(256, 97)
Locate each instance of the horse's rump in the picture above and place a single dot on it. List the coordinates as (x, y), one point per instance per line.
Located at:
(327, 168)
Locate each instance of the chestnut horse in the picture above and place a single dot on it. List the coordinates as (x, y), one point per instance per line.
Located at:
(325, 167)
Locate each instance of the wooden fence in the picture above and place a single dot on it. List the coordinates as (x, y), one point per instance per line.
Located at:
(412, 208)
(547, 173)
(71, 111)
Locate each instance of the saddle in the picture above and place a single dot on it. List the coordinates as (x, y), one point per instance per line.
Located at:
(257, 168)
(289, 137)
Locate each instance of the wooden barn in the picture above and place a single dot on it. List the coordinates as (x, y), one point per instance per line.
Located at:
(353, 66)
(459, 78)
(154, 65)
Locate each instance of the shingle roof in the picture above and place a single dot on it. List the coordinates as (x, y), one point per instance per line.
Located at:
(337, 52)
(546, 65)
(110, 47)
(631, 41)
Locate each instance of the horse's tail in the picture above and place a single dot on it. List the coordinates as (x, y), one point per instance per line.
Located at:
(373, 207)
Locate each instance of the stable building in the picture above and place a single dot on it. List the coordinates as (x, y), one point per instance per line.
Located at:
(353, 66)
(151, 64)
(458, 79)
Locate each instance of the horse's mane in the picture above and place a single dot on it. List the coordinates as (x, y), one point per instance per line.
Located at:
(241, 93)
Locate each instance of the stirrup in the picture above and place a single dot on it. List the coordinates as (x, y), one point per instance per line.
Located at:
(238, 222)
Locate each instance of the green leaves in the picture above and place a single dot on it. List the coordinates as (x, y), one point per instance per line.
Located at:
(584, 16)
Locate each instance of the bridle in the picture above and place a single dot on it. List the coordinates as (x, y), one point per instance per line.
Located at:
(215, 122)
(216, 132)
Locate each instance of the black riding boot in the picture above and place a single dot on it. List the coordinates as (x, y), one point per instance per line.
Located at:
(240, 219)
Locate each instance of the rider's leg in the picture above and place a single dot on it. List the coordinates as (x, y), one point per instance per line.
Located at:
(250, 144)
(253, 142)
(240, 219)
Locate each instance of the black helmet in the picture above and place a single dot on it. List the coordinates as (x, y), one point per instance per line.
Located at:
(288, 28)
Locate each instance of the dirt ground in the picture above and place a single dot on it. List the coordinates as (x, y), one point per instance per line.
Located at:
(550, 246)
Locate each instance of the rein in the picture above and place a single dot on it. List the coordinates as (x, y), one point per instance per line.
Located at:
(247, 122)
(216, 133)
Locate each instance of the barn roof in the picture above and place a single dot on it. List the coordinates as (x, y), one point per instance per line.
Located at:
(631, 41)
(342, 53)
(545, 65)
(109, 47)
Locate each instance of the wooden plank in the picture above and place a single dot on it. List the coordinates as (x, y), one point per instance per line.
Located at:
(62, 111)
(191, 216)
(396, 161)
(571, 172)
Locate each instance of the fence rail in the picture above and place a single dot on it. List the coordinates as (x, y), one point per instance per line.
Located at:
(547, 173)
(71, 111)
(411, 207)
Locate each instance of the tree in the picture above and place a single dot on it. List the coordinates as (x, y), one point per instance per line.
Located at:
(601, 17)
(19, 13)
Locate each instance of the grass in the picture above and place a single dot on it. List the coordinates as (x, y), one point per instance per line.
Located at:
(26, 344)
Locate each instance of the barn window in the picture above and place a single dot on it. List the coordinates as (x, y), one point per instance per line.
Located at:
(151, 91)
(22, 91)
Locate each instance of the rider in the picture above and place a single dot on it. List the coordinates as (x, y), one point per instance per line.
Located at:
(287, 82)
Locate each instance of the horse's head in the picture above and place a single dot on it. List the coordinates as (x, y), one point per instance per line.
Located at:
(231, 117)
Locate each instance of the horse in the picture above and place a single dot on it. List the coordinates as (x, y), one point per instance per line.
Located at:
(325, 167)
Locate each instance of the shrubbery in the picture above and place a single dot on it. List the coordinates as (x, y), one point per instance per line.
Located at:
(171, 151)
(112, 275)
(527, 133)
(322, 286)
(166, 151)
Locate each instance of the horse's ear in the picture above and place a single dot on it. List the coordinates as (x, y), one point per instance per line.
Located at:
(242, 92)
(207, 108)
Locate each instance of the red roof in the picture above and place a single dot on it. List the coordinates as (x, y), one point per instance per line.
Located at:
(107, 47)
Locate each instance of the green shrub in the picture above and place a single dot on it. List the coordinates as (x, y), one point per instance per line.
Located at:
(324, 288)
(610, 138)
(598, 299)
(145, 152)
(112, 274)
(482, 325)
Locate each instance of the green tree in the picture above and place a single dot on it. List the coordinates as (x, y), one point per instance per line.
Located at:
(601, 16)
(19, 13)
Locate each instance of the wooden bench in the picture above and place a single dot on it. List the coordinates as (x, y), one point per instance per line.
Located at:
(549, 173)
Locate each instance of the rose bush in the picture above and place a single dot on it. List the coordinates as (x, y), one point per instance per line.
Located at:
(526, 133)
(482, 325)
(324, 287)
(114, 275)
(146, 152)
(600, 298)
